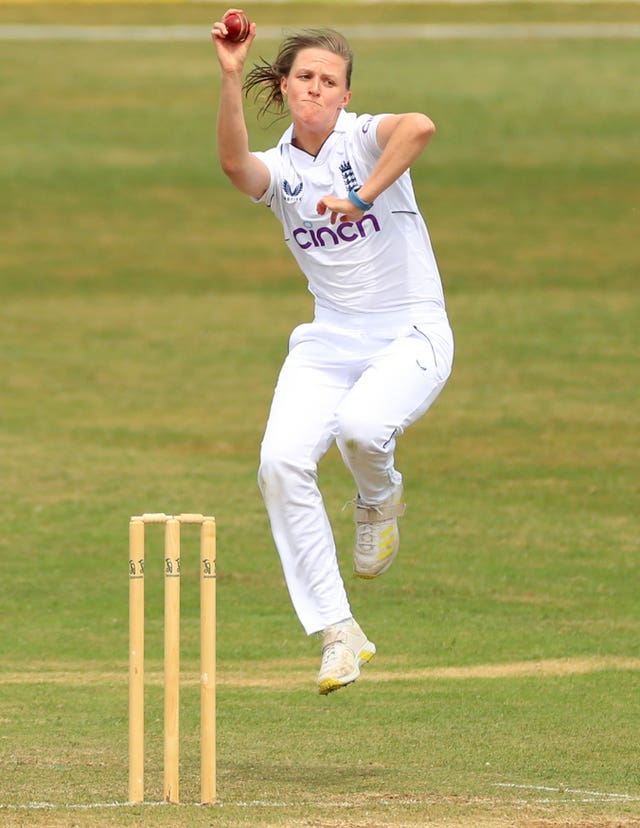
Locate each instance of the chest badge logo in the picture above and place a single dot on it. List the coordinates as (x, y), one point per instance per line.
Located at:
(348, 176)
(292, 194)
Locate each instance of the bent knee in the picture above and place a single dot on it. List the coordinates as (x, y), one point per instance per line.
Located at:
(279, 470)
(359, 435)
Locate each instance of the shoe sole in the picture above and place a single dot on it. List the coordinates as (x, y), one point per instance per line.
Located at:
(328, 685)
(386, 564)
(369, 576)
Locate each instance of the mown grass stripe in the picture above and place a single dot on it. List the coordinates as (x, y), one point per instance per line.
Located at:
(435, 31)
(272, 674)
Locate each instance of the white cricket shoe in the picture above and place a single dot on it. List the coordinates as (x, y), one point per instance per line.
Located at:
(377, 535)
(345, 648)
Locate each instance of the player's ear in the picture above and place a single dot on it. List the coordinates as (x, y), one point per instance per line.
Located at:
(283, 85)
(346, 99)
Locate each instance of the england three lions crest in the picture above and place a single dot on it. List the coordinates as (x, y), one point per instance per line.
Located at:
(348, 176)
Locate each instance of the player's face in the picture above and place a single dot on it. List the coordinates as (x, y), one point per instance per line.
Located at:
(316, 89)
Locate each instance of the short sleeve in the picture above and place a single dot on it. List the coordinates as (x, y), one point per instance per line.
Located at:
(364, 135)
(271, 159)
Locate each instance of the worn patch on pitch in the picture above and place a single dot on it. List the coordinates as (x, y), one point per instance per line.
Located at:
(294, 673)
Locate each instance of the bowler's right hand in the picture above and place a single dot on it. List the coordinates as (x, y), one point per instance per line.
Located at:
(231, 55)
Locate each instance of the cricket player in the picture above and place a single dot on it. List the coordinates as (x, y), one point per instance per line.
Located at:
(379, 349)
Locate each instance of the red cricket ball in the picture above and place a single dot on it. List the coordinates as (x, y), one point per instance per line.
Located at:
(237, 24)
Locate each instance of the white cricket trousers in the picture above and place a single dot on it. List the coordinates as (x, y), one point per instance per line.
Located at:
(344, 379)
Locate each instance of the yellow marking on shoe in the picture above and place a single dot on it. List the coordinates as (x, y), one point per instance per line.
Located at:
(388, 542)
(328, 685)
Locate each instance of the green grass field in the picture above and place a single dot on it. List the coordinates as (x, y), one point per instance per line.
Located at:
(144, 313)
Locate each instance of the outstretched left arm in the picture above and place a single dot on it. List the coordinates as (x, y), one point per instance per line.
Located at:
(402, 139)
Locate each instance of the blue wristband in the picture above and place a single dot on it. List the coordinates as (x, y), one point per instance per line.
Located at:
(355, 199)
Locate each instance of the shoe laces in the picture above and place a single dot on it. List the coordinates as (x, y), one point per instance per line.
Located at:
(333, 648)
(355, 501)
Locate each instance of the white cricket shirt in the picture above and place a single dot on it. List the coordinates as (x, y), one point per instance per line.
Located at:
(383, 263)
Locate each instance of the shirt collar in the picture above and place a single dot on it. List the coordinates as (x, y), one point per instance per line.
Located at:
(341, 126)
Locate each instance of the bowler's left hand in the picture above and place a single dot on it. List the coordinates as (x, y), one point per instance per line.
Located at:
(339, 207)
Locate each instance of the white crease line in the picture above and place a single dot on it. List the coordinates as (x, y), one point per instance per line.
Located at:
(596, 796)
(83, 806)
(465, 2)
(587, 796)
(52, 806)
(459, 2)
(254, 803)
(261, 803)
(435, 31)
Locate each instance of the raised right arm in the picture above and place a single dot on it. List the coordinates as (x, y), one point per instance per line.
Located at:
(244, 170)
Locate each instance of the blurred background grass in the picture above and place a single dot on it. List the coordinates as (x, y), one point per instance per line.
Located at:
(144, 313)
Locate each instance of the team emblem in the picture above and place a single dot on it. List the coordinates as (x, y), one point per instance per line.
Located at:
(348, 176)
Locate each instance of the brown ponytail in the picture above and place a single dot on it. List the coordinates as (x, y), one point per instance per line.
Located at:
(264, 79)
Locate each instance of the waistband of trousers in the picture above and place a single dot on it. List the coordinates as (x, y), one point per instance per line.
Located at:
(379, 321)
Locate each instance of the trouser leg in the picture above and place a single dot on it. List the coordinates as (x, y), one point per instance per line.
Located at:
(300, 429)
(399, 384)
